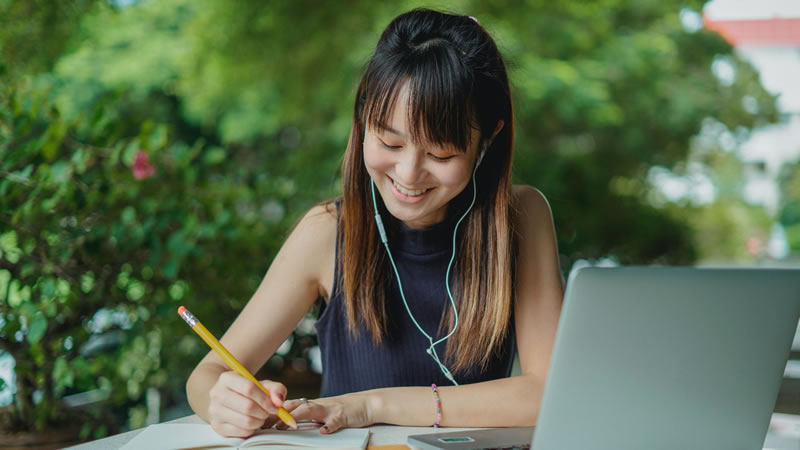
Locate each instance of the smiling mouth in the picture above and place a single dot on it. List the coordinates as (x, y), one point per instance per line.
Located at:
(409, 192)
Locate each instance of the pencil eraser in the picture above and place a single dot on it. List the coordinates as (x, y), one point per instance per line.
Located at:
(181, 309)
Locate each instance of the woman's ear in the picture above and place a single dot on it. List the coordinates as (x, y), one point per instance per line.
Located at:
(497, 129)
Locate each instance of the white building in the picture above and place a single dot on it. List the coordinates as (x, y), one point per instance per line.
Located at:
(772, 45)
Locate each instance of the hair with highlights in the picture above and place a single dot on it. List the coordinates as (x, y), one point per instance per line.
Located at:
(457, 81)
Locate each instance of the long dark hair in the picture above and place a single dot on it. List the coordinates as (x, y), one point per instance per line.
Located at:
(457, 81)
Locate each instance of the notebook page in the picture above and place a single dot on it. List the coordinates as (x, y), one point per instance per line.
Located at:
(310, 437)
(170, 436)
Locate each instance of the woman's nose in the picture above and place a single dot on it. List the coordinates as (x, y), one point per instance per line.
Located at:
(409, 168)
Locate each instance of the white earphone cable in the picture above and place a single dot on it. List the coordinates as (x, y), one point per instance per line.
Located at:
(379, 222)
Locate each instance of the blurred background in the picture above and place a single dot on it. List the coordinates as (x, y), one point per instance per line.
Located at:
(155, 153)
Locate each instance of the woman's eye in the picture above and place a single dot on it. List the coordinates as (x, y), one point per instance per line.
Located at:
(390, 147)
(441, 158)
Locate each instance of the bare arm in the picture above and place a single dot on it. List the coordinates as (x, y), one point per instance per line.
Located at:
(287, 292)
(511, 401)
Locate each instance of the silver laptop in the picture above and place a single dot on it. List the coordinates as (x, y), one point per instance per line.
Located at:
(663, 358)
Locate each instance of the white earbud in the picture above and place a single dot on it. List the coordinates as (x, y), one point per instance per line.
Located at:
(482, 154)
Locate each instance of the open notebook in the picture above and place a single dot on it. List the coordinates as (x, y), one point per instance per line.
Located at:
(186, 436)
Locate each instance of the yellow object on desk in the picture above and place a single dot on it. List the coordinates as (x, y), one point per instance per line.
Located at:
(215, 345)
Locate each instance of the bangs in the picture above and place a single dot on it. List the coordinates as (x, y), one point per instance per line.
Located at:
(440, 98)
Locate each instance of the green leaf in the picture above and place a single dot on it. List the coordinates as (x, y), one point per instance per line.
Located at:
(129, 215)
(5, 279)
(8, 241)
(63, 377)
(177, 290)
(28, 269)
(47, 287)
(37, 328)
(129, 154)
(214, 155)
(123, 279)
(136, 290)
(170, 270)
(87, 282)
(60, 173)
(29, 246)
(62, 287)
(16, 294)
(85, 430)
(100, 432)
(28, 311)
(159, 138)
(793, 237)
(53, 137)
(80, 160)
(51, 310)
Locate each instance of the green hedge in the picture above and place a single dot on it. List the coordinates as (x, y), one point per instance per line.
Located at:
(102, 236)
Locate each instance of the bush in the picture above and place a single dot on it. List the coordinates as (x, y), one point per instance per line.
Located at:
(102, 236)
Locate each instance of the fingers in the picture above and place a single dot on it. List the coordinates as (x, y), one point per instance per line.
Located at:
(330, 417)
(229, 430)
(245, 406)
(291, 405)
(238, 407)
(308, 410)
(234, 382)
(234, 424)
(334, 423)
(277, 391)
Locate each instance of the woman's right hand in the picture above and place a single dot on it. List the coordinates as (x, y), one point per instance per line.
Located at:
(237, 407)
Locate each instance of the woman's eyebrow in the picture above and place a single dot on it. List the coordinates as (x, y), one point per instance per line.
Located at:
(445, 149)
(393, 131)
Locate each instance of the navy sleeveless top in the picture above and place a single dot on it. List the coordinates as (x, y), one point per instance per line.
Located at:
(352, 364)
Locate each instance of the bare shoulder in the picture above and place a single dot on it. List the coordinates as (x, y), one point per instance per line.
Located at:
(320, 218)
(530, 208)
(316, 231)
(539, 283)
(315, 236)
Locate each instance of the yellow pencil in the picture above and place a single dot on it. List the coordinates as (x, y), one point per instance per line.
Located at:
(215, 345)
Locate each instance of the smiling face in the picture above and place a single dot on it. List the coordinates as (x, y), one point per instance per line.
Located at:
(416, 180)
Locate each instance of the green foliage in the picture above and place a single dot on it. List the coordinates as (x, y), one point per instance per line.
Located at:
(91, 253)
(789, 215)
(724, 228)
(729, 229)
(34, 33)
(603, 91)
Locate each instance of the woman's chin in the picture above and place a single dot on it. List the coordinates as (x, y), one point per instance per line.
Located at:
(415, 219)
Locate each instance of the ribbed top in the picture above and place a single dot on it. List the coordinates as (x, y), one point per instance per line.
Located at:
(352, 364)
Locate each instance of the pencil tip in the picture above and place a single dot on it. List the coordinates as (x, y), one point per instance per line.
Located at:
(293, 424)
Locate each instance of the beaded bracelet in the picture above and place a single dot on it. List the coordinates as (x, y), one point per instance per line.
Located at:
(438, 406)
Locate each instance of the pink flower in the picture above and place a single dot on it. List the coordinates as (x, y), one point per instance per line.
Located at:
(142, 168)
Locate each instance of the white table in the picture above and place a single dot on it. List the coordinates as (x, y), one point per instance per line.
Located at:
(784, 434)
(381, 435)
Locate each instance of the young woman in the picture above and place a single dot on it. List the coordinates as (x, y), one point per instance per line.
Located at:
(435, 271)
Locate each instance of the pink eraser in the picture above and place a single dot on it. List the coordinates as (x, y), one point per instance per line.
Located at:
(181, 310)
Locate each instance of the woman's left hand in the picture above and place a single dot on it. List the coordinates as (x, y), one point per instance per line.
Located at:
(333, 413)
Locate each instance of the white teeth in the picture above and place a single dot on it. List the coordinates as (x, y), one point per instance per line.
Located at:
(407, 192)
